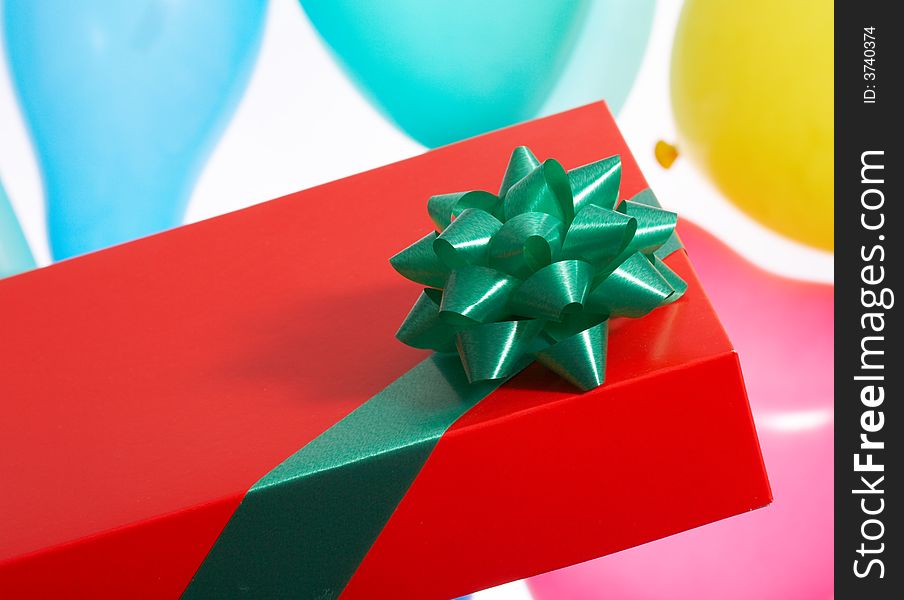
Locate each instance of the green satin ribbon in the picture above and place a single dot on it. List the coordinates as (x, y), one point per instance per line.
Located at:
(537, 270)
(303, 530)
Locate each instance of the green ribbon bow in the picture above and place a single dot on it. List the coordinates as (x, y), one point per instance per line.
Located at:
(537, 271)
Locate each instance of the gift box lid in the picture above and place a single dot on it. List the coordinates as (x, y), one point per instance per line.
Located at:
(145, 388)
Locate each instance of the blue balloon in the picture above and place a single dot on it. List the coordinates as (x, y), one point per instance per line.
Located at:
(15, 255)
(124, 102)
(446, 70)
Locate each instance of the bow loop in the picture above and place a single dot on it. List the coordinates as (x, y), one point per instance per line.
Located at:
(497, 350)
(526, 243)
(598, 235)
(654, 226)
(445, 207)
(596, 183)
(580, 358)
(423, 327)
(554, 291)
(633, 289)
(466, 240)
(520, 165)
(545, 190)
(536, 272)
(476, 295)
(419, 263)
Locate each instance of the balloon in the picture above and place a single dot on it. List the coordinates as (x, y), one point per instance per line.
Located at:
(124, 102)
(444, 71)
(752, 94)
(606, 57)
(15, 256)
(784, 550)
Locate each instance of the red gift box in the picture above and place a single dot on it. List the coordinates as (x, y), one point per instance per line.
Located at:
(146, 388)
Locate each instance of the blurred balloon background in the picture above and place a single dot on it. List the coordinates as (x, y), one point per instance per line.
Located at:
(15, 256)
(758, 113)
(124, 101)
(449, 70)
(117, 107)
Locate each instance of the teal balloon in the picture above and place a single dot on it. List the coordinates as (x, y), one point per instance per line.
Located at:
(15, 255)
(446, 70)
(124, 101)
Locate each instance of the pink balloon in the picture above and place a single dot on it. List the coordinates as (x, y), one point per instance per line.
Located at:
(783, 330)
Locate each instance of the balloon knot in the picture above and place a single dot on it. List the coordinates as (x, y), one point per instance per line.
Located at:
(665, 153)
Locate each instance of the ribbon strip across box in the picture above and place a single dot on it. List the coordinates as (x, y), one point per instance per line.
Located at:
(215, 411)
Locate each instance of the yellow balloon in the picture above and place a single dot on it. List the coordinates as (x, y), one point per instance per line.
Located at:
(752, 91)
